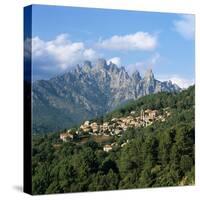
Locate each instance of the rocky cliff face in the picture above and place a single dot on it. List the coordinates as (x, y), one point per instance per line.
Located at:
(87, 92)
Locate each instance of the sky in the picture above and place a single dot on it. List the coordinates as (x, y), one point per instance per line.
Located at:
(63, 37)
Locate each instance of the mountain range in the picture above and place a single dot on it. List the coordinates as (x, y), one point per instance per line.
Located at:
(88, 91)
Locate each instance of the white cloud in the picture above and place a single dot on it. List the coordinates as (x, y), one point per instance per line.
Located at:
(138, 41)
(143, 65)
(136, 66)
(115, 60)
(59, 54)
(185, 26)
(180, 81)
(154, 59)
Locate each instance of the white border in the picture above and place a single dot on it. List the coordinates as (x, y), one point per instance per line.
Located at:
(11, 90)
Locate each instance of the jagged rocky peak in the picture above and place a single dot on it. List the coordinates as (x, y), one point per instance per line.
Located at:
(136, 76)
(149, 74)
(122, 68)
(176, 87)
(123, 73)
(169, 82)
(101, 63)
(87, 65)
(77, 68)
(113, 67)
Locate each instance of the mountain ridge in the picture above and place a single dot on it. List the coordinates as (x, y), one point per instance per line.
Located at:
(88, 91)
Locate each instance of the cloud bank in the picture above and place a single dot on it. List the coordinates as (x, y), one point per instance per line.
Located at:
(185, 26)
(115, 60)
(143, 65)
(59, 54)
(138, 41)
(180, 81)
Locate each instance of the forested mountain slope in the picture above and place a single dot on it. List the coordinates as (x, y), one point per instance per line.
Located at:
(158, 155)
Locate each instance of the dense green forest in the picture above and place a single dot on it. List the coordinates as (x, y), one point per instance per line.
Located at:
(158, 155)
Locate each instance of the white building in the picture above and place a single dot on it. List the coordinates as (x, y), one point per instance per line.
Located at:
(107, 147)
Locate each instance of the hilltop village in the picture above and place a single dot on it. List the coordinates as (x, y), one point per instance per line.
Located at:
(116, 126)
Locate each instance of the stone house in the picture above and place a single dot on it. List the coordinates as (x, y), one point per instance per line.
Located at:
(107, 147)
(95, 127)
(66, 137)
(85, 127)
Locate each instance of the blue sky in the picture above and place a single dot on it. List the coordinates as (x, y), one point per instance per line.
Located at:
(65, 36)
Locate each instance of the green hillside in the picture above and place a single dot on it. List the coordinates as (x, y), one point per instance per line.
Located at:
(161, 154)
(175, 101)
